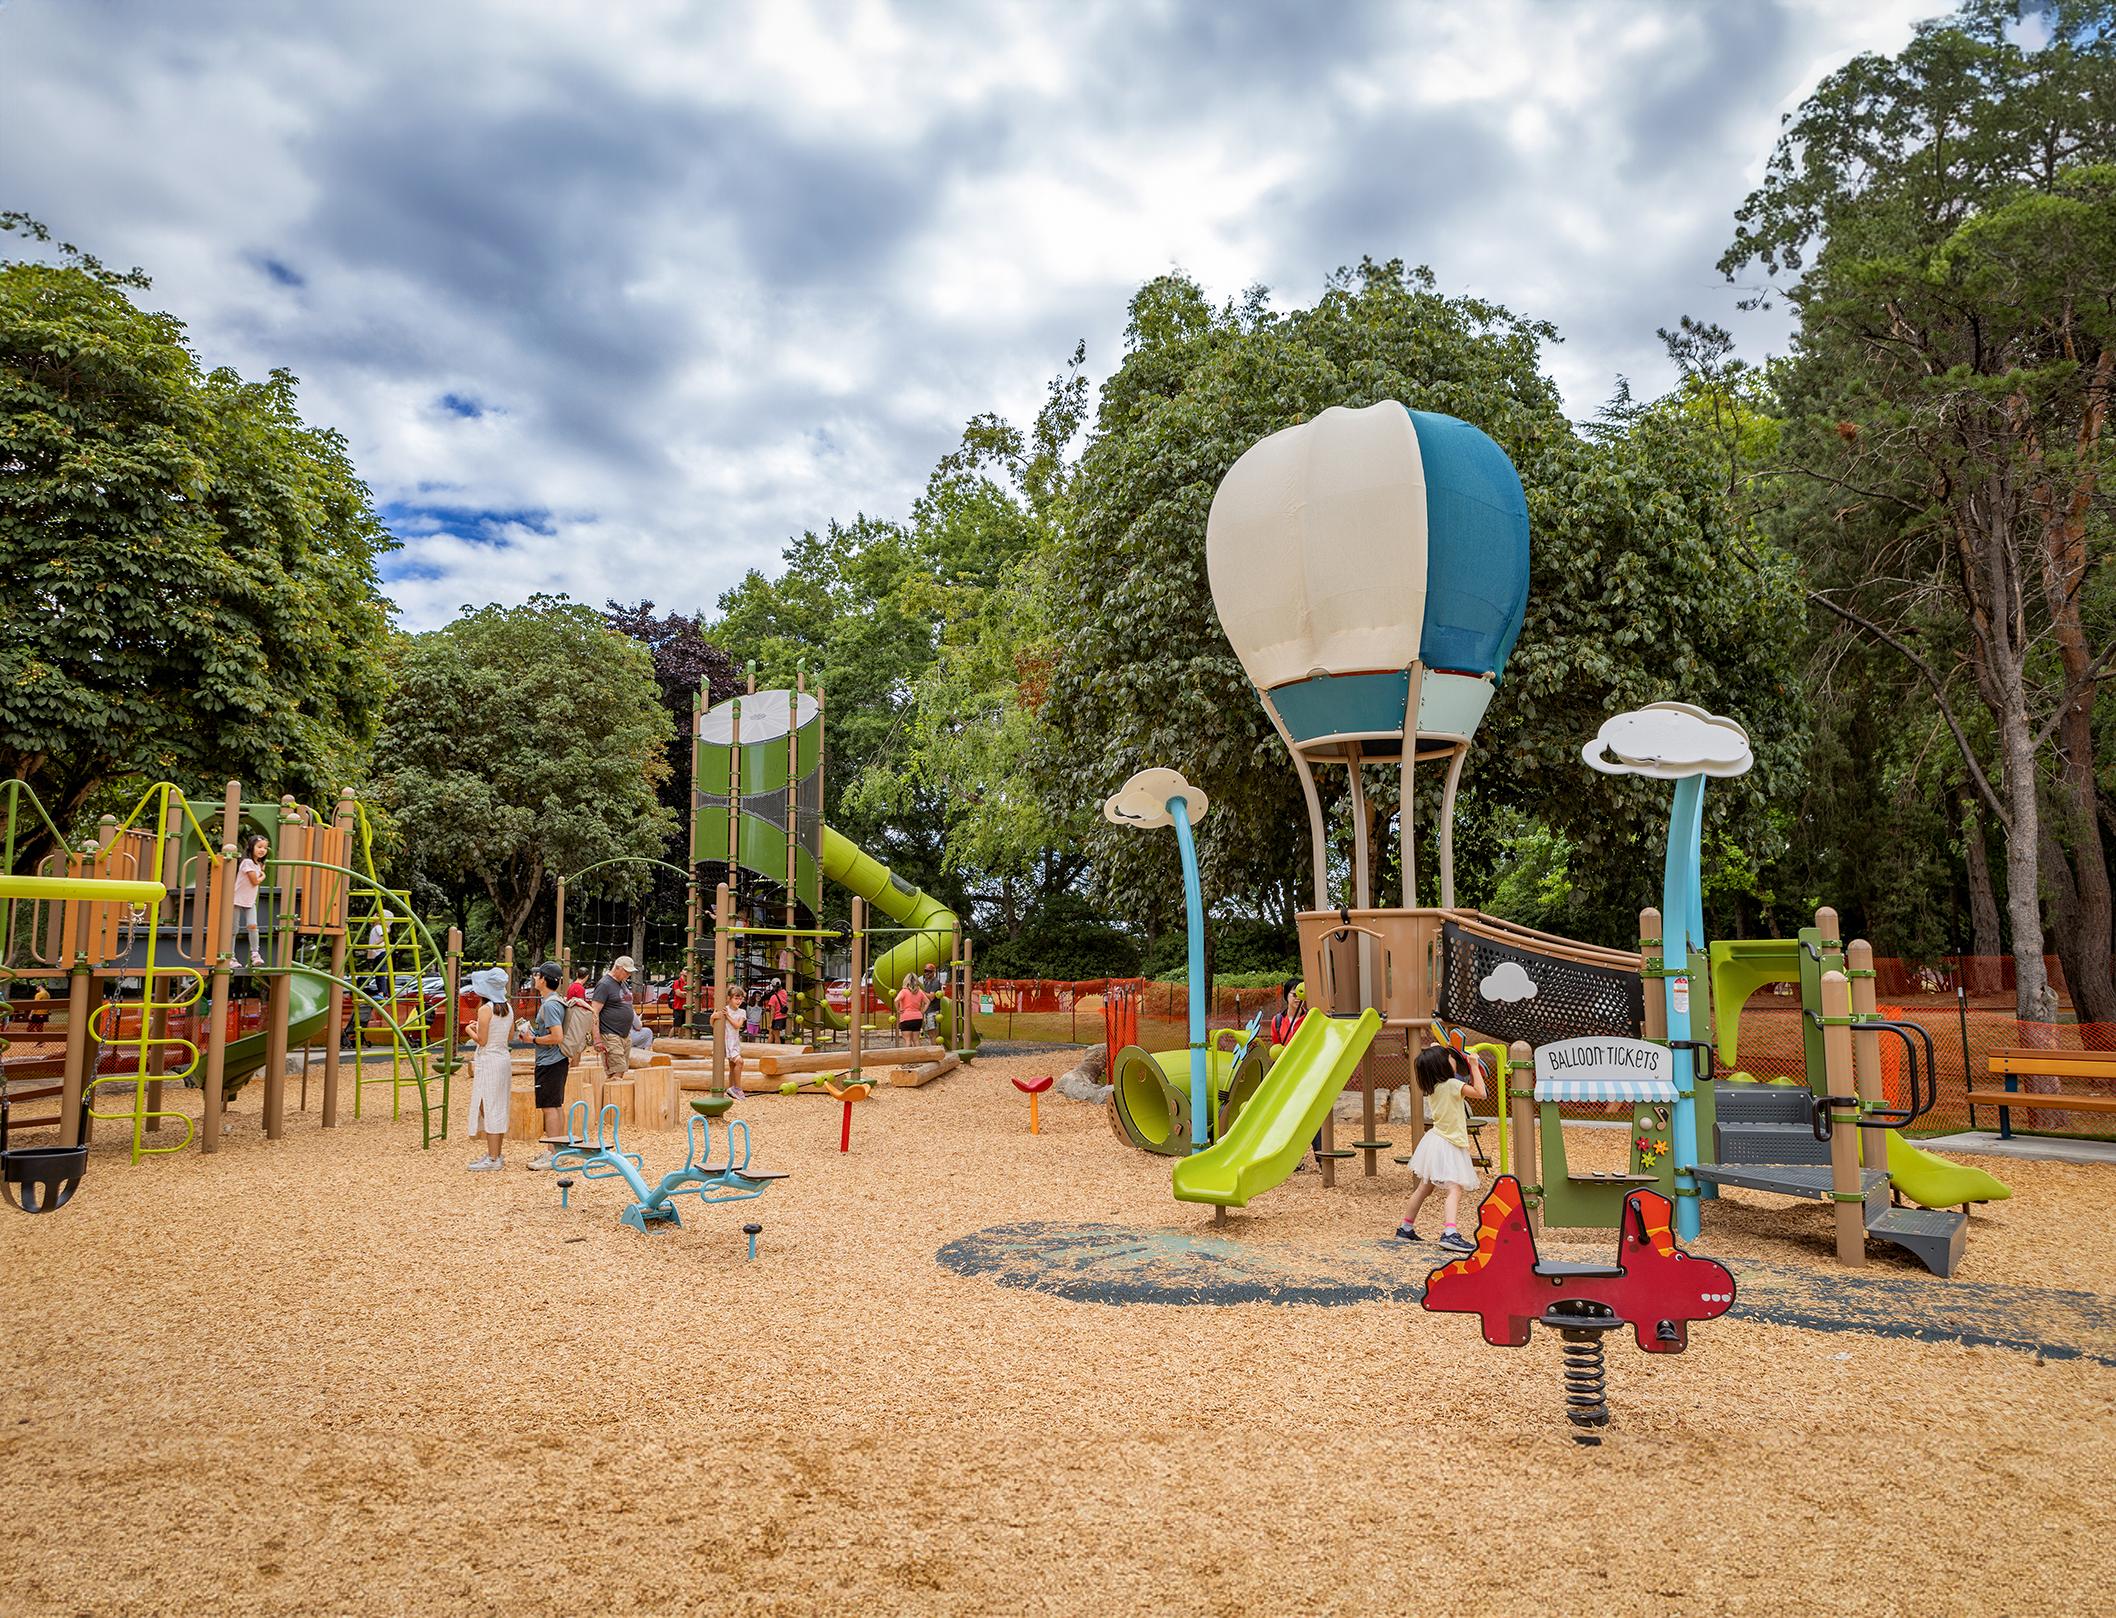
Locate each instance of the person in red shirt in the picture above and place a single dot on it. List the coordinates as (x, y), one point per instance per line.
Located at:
(1294, 1007)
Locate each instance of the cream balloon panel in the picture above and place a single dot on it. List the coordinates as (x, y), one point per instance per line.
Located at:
(1316, 547)
(1347, 550)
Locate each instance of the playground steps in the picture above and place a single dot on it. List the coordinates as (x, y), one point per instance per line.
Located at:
(1763, 1141)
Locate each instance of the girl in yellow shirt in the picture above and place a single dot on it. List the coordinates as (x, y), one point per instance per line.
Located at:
(1447, 1076)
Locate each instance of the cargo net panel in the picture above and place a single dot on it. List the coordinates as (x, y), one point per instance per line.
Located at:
(1511, 993)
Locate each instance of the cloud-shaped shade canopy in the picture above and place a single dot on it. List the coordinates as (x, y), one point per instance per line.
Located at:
(1143, 800)
(1667, 741)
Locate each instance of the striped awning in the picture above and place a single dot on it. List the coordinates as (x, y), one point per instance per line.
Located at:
(1604, 1090)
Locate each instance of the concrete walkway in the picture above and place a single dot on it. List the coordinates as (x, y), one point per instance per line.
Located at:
(2040, 1148)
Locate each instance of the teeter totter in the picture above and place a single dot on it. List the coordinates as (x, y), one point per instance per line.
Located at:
(605, 1158)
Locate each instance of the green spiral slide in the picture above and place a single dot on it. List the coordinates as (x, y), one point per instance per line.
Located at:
(855, 870)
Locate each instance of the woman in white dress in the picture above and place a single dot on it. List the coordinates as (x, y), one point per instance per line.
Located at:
(491, 1067)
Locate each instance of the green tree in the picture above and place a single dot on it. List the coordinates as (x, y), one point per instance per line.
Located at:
(1946, 221)
(523, 743)
(1630, 598)
(973, 750)
(191, 567)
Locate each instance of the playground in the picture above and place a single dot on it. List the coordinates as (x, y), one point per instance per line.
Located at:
(310, 1378)
(860, 1303)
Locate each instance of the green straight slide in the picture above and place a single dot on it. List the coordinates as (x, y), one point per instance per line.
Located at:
(308, 1003)
(1273, 1130)
(855, 870)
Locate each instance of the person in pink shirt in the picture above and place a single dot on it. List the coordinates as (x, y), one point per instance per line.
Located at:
(249, 876)
(910, 1010)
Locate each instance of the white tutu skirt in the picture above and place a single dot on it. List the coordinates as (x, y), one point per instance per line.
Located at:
(1443, 1162)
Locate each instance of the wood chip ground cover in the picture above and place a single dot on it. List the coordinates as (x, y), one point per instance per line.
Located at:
(337, 1374)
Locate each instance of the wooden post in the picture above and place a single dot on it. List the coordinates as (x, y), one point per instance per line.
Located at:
(1366, 1115)
(1521, 1119)
(693, 917)
(224, 926)
(1845, 1184)
(334, 1018)
(558, 938)
(856, 1002)
(1414, 1040)
(723, 918)
(1866, 1051)
(278, 999)
(1650, 964)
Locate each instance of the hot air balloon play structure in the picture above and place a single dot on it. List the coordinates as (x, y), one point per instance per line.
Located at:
(1370, 568)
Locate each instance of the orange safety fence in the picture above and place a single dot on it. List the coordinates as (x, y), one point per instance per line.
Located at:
(1965, 1032)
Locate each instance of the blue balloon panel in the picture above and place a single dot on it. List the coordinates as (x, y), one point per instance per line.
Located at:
(1476, 586)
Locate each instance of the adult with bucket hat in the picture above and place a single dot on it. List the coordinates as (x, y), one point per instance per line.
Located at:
(613, 1018)
(491, 1068)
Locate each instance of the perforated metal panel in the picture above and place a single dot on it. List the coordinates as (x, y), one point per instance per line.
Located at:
(1512, 993)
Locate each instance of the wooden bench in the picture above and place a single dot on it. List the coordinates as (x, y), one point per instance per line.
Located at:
(2013, 1062)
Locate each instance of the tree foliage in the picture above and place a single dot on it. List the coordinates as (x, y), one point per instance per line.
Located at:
(191, 567)
(1950, 214)
(521, 744)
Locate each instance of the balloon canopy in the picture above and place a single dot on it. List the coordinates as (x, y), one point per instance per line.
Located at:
(1370, 568)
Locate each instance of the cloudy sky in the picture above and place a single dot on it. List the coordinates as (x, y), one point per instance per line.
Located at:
(612, 296)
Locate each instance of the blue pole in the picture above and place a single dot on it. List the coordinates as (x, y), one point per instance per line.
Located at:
(1194, 914)
(1682, 929)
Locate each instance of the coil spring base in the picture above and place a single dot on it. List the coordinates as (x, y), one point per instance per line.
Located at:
(1580, 1327)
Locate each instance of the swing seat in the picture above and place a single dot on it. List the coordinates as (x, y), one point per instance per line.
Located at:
(40, 1179)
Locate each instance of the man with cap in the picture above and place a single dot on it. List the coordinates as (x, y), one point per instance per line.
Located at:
(613, 1018)
(547, 1033)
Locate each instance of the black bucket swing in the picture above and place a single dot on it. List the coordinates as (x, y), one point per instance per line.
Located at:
(39, 1179)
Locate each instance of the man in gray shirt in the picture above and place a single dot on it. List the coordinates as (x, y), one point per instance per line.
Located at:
(613, 1018)
(547, 1033)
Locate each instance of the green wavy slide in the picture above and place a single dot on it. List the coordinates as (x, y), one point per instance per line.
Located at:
(1269, 1135)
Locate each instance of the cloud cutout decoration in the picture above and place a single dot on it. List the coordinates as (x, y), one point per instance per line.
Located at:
(1509, 981)
(1667, 741)
(1143, 800)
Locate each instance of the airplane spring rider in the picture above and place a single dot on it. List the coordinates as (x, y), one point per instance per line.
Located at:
(1653, 1287)
(606, 1159)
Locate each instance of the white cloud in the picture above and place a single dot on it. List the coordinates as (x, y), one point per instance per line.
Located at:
(702, 277)
(1509, 981)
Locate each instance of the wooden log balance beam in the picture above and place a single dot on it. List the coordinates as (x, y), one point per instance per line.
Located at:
(783, 1062)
